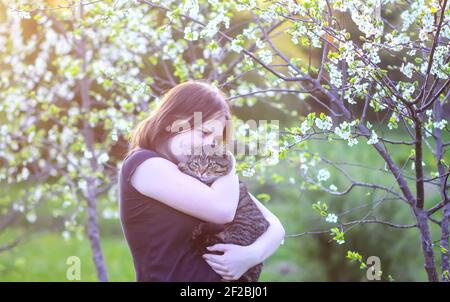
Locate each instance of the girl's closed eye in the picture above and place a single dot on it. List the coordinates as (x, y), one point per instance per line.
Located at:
(205, 133)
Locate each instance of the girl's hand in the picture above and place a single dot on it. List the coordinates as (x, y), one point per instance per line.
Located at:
(235, 261)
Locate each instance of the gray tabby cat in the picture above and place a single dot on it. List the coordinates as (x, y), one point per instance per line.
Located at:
(249, 222)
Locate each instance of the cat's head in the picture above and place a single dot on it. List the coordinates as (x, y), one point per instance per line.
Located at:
(207, 164)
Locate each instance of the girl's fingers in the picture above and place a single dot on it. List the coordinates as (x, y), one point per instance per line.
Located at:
(223, 274)
(220, 247)
(212, 258)
(221, 271)
(227, 278)
(218, 268)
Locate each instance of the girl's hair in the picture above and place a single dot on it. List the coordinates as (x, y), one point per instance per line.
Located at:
(180, 103)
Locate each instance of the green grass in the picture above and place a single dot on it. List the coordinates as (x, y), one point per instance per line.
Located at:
(43, 258)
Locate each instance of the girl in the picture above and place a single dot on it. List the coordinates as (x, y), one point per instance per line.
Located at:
(160, 205)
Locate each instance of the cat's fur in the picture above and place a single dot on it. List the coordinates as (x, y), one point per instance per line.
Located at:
(249, 222)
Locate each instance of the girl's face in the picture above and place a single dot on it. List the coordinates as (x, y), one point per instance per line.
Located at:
(206, 133)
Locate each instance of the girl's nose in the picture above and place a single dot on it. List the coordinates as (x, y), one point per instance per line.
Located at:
(209, 140)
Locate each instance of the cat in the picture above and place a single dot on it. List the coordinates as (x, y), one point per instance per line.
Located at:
(207, 164)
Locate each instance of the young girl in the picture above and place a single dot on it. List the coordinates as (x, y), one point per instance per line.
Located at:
(160, 205)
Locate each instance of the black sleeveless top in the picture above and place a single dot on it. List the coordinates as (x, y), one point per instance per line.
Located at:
(158, 236)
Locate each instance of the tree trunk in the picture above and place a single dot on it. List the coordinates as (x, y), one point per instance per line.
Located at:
(93, 232)
(443, 193)
(93, 229)
(427, 246)
(418, 207)
(420, 214)
(444, 244)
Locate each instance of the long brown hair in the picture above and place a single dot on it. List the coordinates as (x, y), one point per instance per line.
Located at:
(179, 103)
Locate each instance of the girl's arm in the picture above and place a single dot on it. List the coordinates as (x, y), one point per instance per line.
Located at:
(161, 179)
(237, 259)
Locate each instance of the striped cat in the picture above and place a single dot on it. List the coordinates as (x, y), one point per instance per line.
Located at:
(249, 222)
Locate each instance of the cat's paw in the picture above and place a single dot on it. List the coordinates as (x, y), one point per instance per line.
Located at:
(181, 165)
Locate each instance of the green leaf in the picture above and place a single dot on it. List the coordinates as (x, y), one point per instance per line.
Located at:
(263, 197)
(277, 178)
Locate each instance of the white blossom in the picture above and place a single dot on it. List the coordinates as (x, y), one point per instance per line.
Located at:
(396, 42)
(440, 125)
(408, 90)
(304, 127)
(265, 56)
(110, 214)
(66, 235)
(373, 139)
(324, 124)
(191, 8)
(25, 173)
(427, 25)
(21, 14)
(407, 69)
(331, 218)
(323, 175)
(236, 45)
(273, 159)
(248, 172)
(190, 34)
(393, 121)
(245, 5)
(335, 75)
(212, 27)
(352, 141)
(103, 158)
(438, 67)
(251, 31)
(445, 31)
(344, 132)
(87, 154)
(31, 217)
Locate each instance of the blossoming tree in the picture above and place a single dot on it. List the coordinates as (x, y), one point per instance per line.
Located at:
(71, 87)
(395, 66)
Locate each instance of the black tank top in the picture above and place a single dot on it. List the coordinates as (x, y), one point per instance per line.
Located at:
(159, 237)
